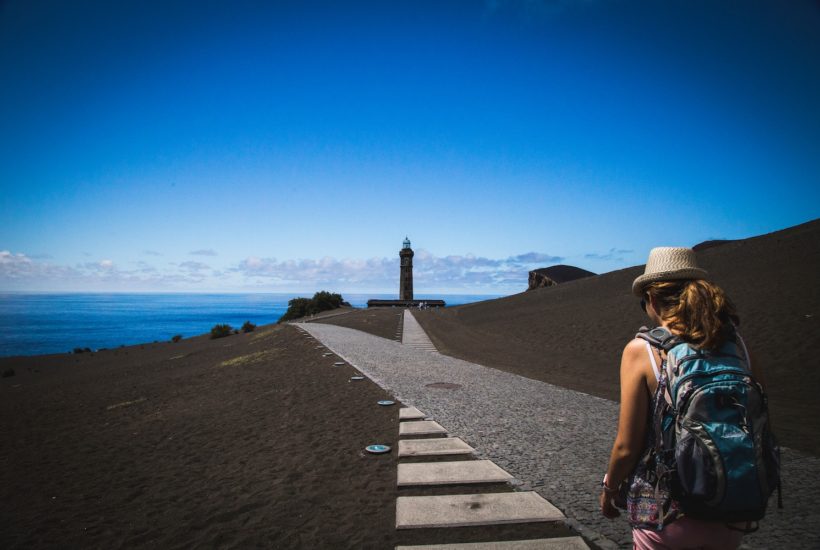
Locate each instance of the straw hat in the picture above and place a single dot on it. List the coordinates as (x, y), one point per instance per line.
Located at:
(668, 263)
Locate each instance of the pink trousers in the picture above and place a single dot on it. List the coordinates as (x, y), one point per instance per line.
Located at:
(687, 534)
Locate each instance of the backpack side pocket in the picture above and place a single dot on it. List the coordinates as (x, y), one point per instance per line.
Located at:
(700, 475)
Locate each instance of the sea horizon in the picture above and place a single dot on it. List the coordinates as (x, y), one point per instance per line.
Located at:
(46, 322)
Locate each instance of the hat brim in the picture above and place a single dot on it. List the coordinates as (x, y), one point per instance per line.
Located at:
(689, 273)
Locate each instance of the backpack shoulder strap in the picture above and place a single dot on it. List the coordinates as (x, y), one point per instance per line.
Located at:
(659, 337)
(663, 340)
(745, 350)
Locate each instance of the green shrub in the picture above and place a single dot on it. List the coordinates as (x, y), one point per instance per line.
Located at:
(176, 338)
(221, 331)
(248, 327)
(297, 307)
(321, 301)
(324, 301)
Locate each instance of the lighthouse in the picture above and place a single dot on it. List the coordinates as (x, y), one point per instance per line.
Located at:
(406, 276)
(405, 284)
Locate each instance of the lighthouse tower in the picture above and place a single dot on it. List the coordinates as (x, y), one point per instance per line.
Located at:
(406, 278)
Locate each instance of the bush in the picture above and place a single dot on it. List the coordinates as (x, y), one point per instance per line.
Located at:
(176, 338)
(248, 327)
(298, 307)
(324, 301)
(221, 331)
(9, 372)
(321, 301)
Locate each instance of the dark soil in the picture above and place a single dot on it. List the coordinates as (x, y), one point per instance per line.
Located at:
(384, 322)
(254, 440)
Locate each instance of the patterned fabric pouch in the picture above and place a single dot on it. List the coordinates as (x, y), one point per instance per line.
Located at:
(644, 493)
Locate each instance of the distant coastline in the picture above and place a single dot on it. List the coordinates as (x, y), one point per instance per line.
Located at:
(37, 323)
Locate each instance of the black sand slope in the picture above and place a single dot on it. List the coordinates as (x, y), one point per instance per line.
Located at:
(572, 334)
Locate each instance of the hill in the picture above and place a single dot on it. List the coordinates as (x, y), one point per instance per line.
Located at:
(555, 275)
(572, 335)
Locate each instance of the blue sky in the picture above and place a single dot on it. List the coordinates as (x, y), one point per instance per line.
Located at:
(291, 146)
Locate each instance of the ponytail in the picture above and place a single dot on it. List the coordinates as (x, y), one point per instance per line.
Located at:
(696, 310)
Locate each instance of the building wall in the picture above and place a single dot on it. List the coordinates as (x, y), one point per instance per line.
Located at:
(406, 276)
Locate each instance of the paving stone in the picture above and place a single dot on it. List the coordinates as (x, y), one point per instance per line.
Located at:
(451, 473)
(414, 336)
(431, 447)
(410, 413)
(481, 509)
(558, 543)
(421, 427)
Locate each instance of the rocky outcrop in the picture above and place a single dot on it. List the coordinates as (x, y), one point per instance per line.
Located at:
(555, 275)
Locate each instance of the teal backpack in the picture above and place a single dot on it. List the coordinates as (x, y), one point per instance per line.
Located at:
(715, 453)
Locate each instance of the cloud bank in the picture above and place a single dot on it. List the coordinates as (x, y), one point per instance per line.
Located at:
(21, 272)
(431, 274)
(429, 271)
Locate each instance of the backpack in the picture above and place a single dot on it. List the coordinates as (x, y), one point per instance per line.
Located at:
(715, 454)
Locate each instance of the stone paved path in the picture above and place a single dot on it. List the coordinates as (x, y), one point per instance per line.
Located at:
(553, 440)
(413, 335)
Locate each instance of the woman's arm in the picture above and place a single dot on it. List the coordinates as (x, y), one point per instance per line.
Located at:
(631, 422)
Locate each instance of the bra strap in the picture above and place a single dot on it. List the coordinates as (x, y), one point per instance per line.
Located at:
(654, 363)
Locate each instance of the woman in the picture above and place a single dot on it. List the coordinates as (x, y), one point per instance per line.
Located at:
(674, 294)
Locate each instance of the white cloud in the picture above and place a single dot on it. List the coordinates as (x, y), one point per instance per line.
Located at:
(433, 272)
(145, 267)
(102, 266)
(193, 267)
(18, 271)
(613, 255)
(14, 264)
(21, 267)
(203, 252)
(537, 258)
(324, 270)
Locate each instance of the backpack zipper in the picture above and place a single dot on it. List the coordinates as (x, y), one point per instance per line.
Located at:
(728, 370)
(682, 412)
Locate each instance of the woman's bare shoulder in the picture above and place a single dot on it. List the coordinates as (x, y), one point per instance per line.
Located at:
(635, 358)
(636, 347)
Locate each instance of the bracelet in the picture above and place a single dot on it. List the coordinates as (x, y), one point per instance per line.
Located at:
(607, 489)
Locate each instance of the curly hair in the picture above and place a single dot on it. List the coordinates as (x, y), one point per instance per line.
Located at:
(696, 310)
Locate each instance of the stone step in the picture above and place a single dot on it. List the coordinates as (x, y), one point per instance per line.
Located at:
(558, 543)
(421, 427)
(410, 413)
(451, 473)
(413, 335)
(432, 447)
(466, 510)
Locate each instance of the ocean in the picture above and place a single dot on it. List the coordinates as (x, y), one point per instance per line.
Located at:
(40, 323)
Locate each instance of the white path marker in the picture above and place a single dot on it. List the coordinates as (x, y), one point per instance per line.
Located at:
(451, 473)
(464, 510)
